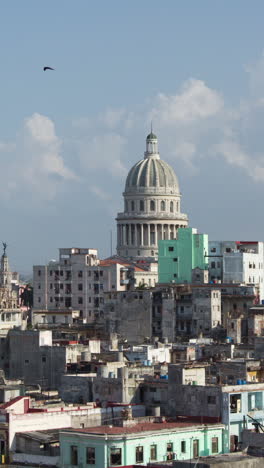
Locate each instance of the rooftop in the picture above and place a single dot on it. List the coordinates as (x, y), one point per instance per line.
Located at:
(141, 427)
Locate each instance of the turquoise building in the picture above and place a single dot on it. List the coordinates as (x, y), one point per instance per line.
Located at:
(107, 446)
(178, 257)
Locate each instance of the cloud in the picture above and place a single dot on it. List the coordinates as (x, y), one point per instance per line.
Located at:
(236, 156)
(103, 152)
(99, 193)
(36, 167)
(6, 147)
(194, 102)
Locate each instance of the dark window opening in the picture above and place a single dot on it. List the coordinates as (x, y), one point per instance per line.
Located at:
(115, 456)
(169, 451)
(74, 455)
(90, 456)
(139, 454)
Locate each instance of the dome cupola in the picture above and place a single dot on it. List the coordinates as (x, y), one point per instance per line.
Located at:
(152, 173)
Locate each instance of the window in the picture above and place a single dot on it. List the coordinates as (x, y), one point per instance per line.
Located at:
(80, 300)
(139, 454)
(235, 403)
(43, 358)
(228, 249)
(171, 249)
(141, 205)
(162, 205)
(26, 361)
(80, 287)
(175, 259)
(212, 264)
(171, 206)
(90, 456)
(169, 451)
(183, 446)
(39, 272)
(195, 448)
(152, 205)
(115, 456)
(255, 401)
(153, 451)
(132, 206)
(213, 249)
(74, 455)
(175, 275)
(214, 444)
(68, 302)
(101, 272)
(80, 274)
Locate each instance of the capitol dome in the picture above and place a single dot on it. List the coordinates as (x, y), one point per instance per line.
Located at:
(152, 209)
(152, 172)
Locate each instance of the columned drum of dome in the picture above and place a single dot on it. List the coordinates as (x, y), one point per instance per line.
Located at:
(152, 206)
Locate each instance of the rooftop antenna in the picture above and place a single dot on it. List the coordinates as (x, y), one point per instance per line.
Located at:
(111, 243)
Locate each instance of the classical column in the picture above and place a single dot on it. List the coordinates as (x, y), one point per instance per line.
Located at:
(129, 234)
(142, 234)
(148, 225)
(156, 235)
(124, 234)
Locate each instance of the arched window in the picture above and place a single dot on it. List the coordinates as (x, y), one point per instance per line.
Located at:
(162, 205)
(132, 206)
(152, 205)
(141, 205)
(171, 206)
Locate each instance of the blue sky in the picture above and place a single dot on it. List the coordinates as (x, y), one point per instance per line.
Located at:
(69, 137)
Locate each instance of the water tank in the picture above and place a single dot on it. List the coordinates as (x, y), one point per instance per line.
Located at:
(239, 382)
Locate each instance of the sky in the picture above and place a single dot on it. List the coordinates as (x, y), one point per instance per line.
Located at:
(69, 137)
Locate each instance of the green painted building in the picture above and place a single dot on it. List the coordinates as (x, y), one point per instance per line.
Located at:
(107, 446)
(178, 257)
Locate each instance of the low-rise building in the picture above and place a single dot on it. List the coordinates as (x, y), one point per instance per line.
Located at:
(21, 416)
(233, 405)
(106, 446)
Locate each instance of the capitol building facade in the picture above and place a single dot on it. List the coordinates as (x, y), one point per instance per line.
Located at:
(152, 206)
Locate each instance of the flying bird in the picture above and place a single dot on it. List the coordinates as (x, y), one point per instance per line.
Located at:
(48, 68)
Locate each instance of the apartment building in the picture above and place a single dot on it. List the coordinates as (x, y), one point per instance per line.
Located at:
(78, 280)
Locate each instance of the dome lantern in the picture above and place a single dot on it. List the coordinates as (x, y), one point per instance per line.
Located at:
(151, 145)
